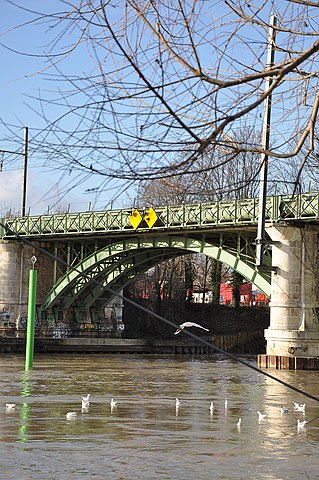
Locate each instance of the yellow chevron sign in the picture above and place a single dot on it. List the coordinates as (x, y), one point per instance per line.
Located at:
(150, 217)
(135, 219)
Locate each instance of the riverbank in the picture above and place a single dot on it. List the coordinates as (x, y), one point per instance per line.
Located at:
(232, 330)
(241, 342)
(220, 319)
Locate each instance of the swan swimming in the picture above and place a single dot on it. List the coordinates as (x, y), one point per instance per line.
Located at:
(188, 325)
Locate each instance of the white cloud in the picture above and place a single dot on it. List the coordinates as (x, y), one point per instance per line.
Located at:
(10, 191)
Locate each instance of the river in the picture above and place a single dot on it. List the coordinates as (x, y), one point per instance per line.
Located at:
(145, 436)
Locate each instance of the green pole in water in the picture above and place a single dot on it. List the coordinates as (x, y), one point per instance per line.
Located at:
(31, 316)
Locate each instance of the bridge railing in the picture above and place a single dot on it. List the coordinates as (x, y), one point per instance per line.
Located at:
(303, 207)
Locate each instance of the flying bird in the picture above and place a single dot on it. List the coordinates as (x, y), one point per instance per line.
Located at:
(10, 406)
(188, 325)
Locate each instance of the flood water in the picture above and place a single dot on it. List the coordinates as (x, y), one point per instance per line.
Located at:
(145, 436)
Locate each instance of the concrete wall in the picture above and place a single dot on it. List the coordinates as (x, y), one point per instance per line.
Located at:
(294, 307)
(13, 280)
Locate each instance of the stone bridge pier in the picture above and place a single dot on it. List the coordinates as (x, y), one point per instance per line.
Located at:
(293, 335)
(15, 264)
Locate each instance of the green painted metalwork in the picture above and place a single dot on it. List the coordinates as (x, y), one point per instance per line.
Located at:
(89, 285)
(121, 261)
(243, 212)
(107, 252)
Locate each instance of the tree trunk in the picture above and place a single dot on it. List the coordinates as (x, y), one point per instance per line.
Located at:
(216, 268)
(237, 282)
(189, 281)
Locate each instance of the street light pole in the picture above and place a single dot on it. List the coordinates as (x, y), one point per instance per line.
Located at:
(261, 237)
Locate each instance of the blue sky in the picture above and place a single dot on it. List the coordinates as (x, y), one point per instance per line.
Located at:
(21, 78)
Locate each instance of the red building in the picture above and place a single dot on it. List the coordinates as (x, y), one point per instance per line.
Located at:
(247, 295)
(226, 293)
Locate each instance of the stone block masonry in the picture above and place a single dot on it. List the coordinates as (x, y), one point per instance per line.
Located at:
(294, 307)
(15, 264)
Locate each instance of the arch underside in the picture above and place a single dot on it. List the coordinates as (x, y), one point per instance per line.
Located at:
(98, 278)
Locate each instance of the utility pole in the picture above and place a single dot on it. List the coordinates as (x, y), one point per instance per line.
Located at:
(261, 237)
(24, 172)
(24, 168)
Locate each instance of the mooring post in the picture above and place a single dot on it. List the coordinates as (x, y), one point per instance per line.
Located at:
(31, 315)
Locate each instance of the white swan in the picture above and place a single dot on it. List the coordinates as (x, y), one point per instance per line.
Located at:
(188, 325)
(10, 406)
(239, 423)
(211, 407)
(177, 403)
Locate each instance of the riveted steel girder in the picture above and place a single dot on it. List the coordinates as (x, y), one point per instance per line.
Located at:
(129, 253)
(89, 286)
(242, 212)
(115, 281)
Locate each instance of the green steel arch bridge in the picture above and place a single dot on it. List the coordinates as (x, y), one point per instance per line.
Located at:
(95, 254)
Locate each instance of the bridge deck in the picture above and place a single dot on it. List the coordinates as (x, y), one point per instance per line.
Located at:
(223, 214)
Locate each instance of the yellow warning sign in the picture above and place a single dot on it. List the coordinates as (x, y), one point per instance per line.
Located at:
(135, 219)
(150, 217)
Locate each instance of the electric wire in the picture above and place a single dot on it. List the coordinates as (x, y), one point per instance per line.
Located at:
(159, 317)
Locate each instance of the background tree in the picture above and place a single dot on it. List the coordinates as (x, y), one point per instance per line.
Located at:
(165, 82)
(236, 178)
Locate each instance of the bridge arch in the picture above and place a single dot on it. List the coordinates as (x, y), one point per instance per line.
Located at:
(115, 265)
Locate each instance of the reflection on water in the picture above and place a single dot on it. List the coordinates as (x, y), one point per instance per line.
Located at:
(145, 436)
(25, 407)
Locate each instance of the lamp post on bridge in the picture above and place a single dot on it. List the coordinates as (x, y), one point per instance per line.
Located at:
(261, 237)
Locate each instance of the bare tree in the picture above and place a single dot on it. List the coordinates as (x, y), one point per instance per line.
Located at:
(166, 81)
